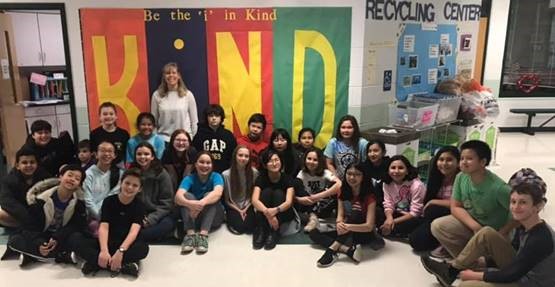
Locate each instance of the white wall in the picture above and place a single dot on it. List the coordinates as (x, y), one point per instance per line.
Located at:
(492, 73)
(493, 68)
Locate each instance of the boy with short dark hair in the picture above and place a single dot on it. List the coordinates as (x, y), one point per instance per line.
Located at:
(57, 210)
(213, 137)
(85, 155)
(51, 152)
(119, 248)
(480, 198)
(254, 140)
(13, 206)
(109, 131)
(527, 260)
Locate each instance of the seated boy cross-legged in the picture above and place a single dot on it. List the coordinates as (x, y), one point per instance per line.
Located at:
(528, 261)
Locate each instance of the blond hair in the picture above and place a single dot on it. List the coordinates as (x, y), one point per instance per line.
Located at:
(163, 88)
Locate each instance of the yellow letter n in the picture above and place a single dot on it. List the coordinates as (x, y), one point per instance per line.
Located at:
(240, 88)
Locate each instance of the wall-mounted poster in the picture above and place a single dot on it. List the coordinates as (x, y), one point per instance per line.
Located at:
(281, 61)
(421, 31)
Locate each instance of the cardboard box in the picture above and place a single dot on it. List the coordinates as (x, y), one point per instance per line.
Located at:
(12, 116)
(13, 130)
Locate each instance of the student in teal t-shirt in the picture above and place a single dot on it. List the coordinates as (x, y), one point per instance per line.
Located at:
(198, 197)
(480, 198)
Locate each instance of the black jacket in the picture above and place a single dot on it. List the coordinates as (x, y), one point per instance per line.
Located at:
(55, 154)
(41, 210)
(13, 191)
(220, 143)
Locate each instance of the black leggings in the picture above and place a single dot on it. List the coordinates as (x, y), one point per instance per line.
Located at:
(88, 248)
(325, 239)
(402, 229)
(235, 221)
(272, 198)
(421, 238)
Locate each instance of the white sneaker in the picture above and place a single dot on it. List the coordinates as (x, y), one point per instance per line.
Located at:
(440, 254)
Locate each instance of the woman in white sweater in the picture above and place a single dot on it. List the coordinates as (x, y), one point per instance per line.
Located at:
(173, 105)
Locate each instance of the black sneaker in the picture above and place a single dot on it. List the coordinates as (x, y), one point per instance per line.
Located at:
(131, 269)
(89, 268)
(377, 242)
(354, 253)
(258, 238)
(9, 254)
(233, 230)
(66, 257)
(441, 270)
(327, 259)
(271, 240)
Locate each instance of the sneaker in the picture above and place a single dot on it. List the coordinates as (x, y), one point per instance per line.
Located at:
(89, 268)
(233, 230)
(312, 224)
(26, 257)
(327, 259)
(9, 254)
(131, 269)
(354, 253)
(66, 257)
(377, 242)
(202, 244)
(25, 260)
(188, 244)
(440, 254)
(258, 238)
(441, 270)
(271, 240)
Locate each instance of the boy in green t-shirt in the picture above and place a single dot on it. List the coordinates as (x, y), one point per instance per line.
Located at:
(480, 198)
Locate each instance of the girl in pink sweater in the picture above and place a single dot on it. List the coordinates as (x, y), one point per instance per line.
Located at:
(404, 195)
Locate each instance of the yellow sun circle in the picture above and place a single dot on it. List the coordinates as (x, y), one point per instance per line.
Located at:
(178, 44)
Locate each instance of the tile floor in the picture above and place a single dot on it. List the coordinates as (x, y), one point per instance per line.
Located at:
(231, 261)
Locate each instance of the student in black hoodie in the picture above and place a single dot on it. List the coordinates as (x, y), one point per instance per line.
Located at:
(214, 138)
(13, 206)
(51, 152)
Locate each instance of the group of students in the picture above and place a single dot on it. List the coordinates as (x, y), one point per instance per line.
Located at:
(122, 193)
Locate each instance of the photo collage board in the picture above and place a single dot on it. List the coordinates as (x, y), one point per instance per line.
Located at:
(425, 56)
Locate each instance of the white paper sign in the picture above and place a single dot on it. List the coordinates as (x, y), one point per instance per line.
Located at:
(444, 39)
(426, 26)
(433, 51)
(432, 76)
(5, 69)
(408, 44)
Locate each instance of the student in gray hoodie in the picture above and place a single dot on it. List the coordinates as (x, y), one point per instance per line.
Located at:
(157, 194)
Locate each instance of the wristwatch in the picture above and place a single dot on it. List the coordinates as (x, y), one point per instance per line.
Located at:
(122, 250)
(278, 209)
